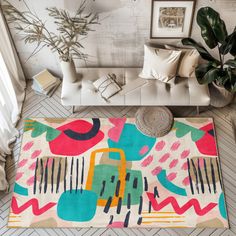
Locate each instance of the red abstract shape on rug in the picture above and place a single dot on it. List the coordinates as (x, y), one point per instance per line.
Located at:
(207, 145)
(35, 206)
(66, 145)
(115, 132)
(178, 209)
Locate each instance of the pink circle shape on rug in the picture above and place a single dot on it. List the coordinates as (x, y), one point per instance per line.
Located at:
(165, 157)
(173, 163)
(147, 161)
(160, 145)
(185, 154)
(35, 154)
(186, 181)
(28, 145)
(143, 150)
(156, 171)
(171, 176)
(175, 146)
(19, 175)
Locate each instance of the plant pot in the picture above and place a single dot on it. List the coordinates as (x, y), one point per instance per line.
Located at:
(69, 71)
(220, 97)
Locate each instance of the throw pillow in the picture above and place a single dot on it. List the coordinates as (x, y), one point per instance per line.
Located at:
(160, 63)
(188, 61)
(107, 86)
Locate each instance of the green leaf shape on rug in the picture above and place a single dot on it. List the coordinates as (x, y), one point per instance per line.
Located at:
(52, 134)
(183, 129)
(39, 128)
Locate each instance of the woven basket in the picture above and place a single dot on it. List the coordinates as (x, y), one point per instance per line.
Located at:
(154, 121)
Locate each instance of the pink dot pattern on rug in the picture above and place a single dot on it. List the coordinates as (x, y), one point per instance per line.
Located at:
(160, 145)
(186, 181)
(22, 163)
(147, 161)
(32, 166)
(143, 150)
(165, 157)
(28, 145)
(173, 163)
(36, 153)
(184, 166)
(185, 154)
(175, 146)
(30, 181)
(157, 170)
(171, 176)
(19, 175)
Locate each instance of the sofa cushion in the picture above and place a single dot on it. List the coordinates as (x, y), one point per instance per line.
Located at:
(188, 61)
(160, 63)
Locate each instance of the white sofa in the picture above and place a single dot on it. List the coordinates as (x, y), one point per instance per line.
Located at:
(181, 92)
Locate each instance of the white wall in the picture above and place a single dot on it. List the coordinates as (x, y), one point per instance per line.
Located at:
(118, 41)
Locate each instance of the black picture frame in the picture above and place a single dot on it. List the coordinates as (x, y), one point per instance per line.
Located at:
(174, 36)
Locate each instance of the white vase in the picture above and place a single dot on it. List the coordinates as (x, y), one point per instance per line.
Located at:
(69, 71)
(220, 97)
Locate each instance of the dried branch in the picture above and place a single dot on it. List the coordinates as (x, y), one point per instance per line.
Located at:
(67, 42)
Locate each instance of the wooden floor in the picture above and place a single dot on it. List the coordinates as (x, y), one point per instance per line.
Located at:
(37, 106)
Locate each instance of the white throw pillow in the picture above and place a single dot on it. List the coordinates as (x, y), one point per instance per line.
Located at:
(160, 64)
(107, 86)
(188, 61)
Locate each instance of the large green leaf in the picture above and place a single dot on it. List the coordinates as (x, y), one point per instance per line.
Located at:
(229, 46)
(213, 28)
(231, 63)
(202, 51)
(201, 70)
(206, 73)
(230, 83)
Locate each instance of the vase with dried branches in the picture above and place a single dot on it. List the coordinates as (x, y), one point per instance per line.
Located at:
(66, 42)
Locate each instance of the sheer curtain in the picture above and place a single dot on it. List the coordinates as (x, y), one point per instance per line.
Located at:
(12, 92)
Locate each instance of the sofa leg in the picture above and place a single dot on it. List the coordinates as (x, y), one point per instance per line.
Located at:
(198, 110)
(73, 109)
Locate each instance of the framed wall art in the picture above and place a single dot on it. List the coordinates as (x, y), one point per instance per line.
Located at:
(171, 19)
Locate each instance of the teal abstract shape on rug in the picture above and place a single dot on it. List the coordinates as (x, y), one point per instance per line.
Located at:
(131, 142)
(222, 206)
(39, 128)
(183, 129)
(78, 206)
(20, 190)
(134, 187)
(170, 186)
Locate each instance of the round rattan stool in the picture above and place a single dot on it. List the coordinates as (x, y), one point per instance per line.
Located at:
(154, 121)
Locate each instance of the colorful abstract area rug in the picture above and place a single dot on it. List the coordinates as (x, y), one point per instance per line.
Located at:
(106, 173)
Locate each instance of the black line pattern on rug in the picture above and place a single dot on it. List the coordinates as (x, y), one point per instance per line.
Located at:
(206, 173)
(57, 174)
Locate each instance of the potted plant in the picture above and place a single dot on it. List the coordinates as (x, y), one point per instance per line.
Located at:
(218, 72)
(70, 31)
